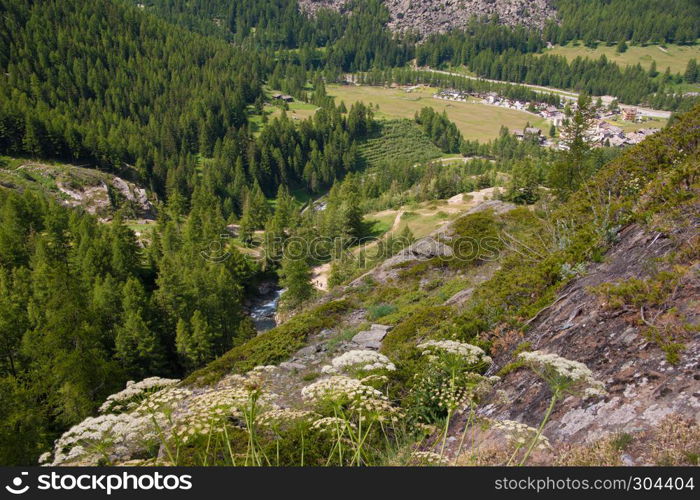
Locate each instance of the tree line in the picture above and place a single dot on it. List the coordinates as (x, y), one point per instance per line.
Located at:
(515, 56)
(85, 308)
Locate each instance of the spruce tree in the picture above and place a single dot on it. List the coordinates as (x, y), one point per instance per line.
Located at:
(296, 279)
(568, 173)
(692, 73)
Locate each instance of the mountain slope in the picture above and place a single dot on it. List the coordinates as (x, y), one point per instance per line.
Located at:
(107, 84)
(609, 279)
(433, 16)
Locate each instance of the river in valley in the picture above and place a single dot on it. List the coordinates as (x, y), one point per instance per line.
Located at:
(264, 307)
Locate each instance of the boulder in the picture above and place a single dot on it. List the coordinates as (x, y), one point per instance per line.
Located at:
(372, 338)
(496, 206)
(460, 297)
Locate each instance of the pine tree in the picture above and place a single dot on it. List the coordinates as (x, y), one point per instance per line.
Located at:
(183, 343)
(653, 72)
(34, 140)
(124, 249)
(692, 74)
(567, 174)
(137, 346)
(296, 279)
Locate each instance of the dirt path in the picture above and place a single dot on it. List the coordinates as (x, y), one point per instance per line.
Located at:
(456, 204)
(320, 274)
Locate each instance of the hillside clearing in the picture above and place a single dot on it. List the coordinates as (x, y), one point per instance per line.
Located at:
(675, 57)
(422, 220)
(475, 120)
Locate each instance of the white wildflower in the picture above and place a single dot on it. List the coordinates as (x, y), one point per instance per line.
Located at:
(283, 417)
(427, 458)
(339, 389)
(135, 390)
(331, 424)
(362, 360)
(563, 374)
(520, 434)
(470, 353)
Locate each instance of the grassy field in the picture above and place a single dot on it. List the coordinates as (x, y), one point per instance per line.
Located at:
(476, 121)
(298, 110)
(631, 127)
(425, 217)
(382, 222)
(675, 57)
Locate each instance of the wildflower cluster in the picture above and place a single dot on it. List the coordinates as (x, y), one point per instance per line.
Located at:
(233, 399)
(519, 434)
(359, 360)
(134, 393)
(469, 354)
(332, 425)
(339, 389)
(427, 458)
(165, 400)
(352, 415)
(563, 375)
(448, 383)
(110, 437)
(282, 418)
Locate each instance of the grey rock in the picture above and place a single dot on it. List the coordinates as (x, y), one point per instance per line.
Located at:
(460, 297)
(629, 336)
(431, 16)
(308, 351)
(380, 328)
(496, 206)
(370, 339)
(423, 249)
(288, 365)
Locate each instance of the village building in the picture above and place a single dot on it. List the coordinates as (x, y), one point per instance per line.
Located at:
(282, 97)
(629, 114)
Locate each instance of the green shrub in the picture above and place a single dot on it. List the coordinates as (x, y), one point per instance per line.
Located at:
(423, 323)
(638, 292)
(272, 346)
(379, 311)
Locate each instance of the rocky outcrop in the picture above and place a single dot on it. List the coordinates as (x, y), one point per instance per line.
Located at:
(496, 206)
(643, 386)
(432, 16)
(424, 249)
(97, 192)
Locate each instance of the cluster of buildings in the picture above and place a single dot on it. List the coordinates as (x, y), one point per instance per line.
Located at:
(529, 132)
(549, 112)
(606, 134)
(602, 134)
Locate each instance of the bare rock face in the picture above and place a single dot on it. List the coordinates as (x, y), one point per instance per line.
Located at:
(97, 192)
(496, 206)
(643, 387)
(436, 16)
(422, 250)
